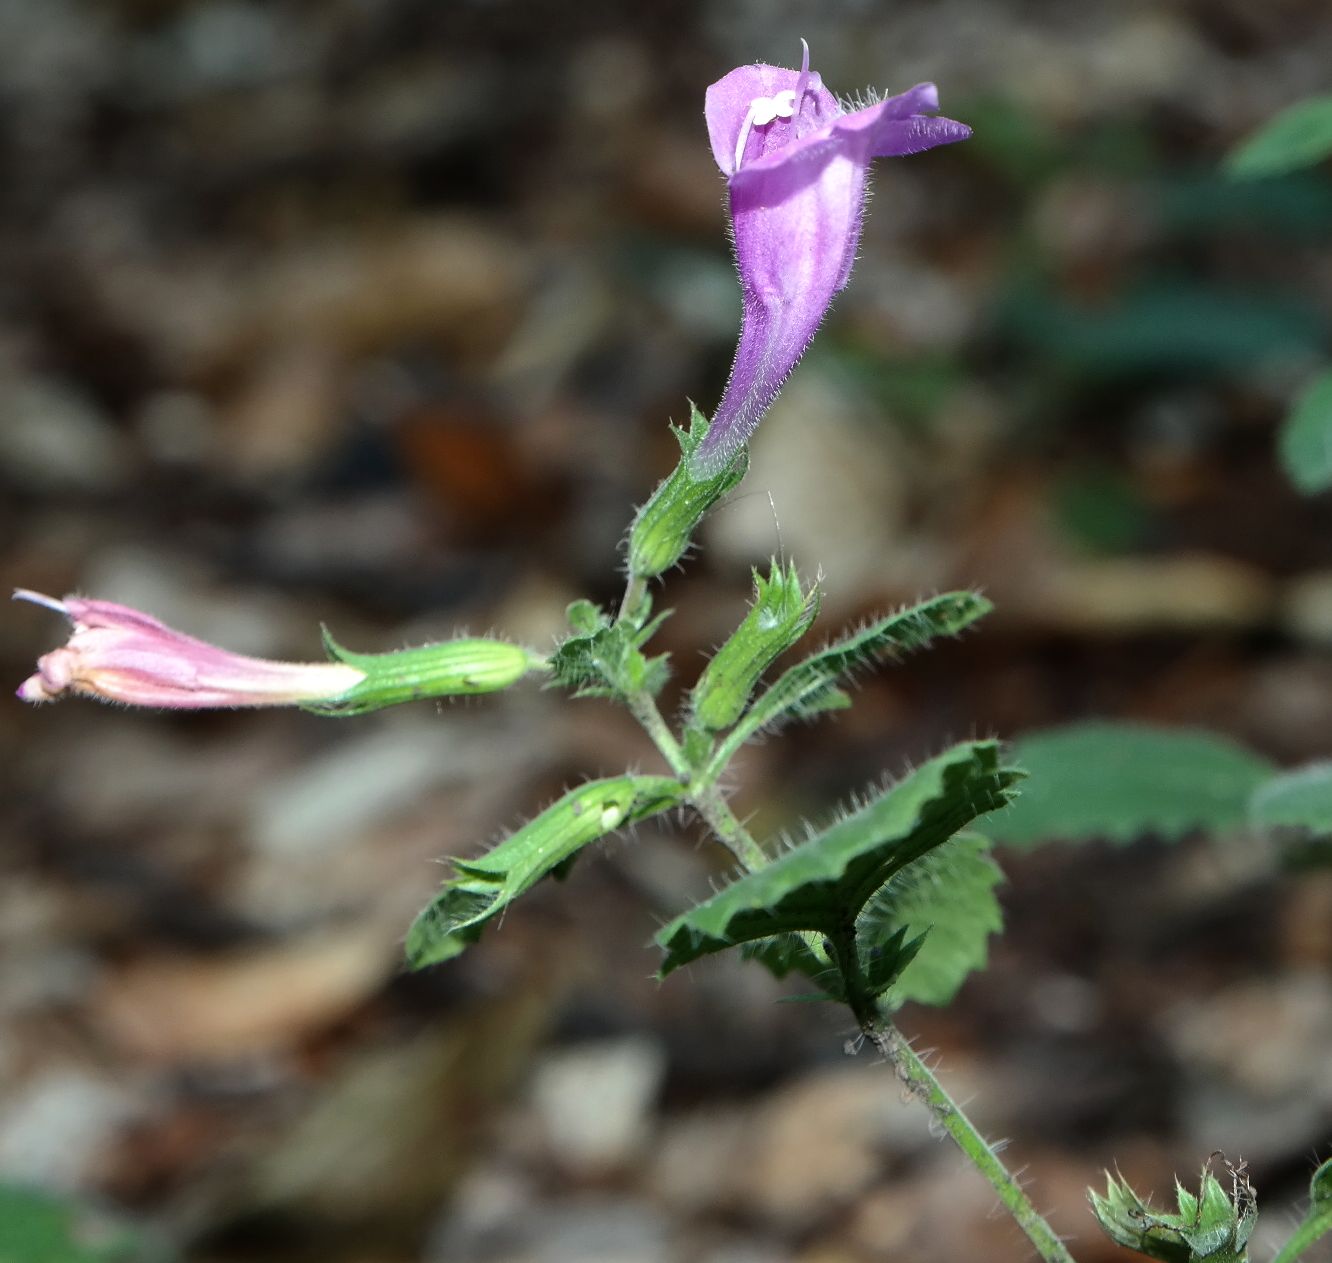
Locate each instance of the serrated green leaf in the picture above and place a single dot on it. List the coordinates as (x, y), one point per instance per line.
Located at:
(1306, 438)
(1301, 798)
(810, 687)
(786, 954)
(483, 887)
(1123, 780)
(1317, 1223)
(1300, 136)
(781, 613)
(947, 898)
(822, 884)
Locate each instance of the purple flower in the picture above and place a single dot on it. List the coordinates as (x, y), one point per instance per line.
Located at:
(797, 164)
(118, 654)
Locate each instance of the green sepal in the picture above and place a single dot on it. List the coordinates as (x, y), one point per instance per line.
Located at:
(665, 525)
(452, 668)
(604, 658)
(1214, 1226)
(780, 615)
(822, 885)
(811, 688)
(483, 887)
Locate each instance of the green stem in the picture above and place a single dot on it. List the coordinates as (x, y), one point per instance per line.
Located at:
(922, 1083)
(643, 707)
(709, 803)
(634, 591)
(703, 794)
(705, 799)
(1305, 1235)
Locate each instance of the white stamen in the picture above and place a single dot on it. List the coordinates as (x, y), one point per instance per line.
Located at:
(24, 594)
(768, 109)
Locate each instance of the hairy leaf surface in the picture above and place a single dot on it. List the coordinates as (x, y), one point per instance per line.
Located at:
(822, 884)
(1123, 780)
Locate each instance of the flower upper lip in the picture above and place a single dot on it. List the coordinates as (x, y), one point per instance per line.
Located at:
(796, 164)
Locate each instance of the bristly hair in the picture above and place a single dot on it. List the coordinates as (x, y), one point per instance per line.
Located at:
(860, 100)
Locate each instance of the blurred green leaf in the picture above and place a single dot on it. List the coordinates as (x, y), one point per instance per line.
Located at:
(37, 1227)
(910, 389)
(1102, 512)
(1123, 780)
(1298, 799)
(1162, 326)
(1205, 201)
(1306, 438)
(1299, 136)
(485, 886)
(824, 883)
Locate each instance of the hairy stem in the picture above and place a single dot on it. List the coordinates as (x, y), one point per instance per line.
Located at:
(1305, 1235)
(643, 707)
(634, 591)
(703, 794)
(922, 1083)
(709, 803)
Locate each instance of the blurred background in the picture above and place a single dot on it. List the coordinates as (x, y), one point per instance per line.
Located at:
(373, 313)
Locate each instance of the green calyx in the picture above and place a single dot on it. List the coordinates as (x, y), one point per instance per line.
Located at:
(781, 613)
(453, 668)
(482, 888)
(666, 523)
(1215, 1225)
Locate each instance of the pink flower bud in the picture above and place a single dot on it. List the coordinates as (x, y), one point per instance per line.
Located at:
(117, 654)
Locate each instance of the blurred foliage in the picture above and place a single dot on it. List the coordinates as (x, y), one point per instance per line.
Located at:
(1122, 780)
(1299, 136)
(38, 1227)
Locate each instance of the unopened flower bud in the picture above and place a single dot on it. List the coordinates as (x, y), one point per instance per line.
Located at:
(781, 614)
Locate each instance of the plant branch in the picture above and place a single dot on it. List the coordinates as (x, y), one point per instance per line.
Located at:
(921, 1081)
(1305, 1235)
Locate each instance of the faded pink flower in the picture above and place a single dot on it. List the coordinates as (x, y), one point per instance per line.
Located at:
(117, 654)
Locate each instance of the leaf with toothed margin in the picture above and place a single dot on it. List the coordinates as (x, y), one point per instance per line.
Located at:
(483, 887)
(811, 687)
(946, 899)
(822, 885)
(1121, 780)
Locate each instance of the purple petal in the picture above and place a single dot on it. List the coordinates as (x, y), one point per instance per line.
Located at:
(727, 103)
